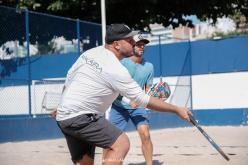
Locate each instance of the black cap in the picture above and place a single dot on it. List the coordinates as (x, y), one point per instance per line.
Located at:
(115, 32)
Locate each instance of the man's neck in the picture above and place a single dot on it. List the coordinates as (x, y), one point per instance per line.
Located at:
(136, 59)
(116, 53)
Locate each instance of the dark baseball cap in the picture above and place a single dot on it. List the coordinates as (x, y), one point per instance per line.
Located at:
(115, 32)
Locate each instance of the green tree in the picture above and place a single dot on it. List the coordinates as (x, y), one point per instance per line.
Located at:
(138, 13)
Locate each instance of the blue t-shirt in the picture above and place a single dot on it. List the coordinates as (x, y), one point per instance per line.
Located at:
(142, 73)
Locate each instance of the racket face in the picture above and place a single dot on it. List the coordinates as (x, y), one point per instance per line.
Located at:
(160, 90)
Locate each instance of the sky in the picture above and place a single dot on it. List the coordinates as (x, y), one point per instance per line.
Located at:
(193, 18)
(223, 24)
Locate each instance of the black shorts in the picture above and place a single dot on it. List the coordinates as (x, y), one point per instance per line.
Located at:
(86, 131)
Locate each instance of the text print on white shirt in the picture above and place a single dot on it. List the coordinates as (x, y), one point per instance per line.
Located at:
(93, 64)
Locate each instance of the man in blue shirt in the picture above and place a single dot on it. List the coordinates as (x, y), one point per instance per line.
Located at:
(123, 109)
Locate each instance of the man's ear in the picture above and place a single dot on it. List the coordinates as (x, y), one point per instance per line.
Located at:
(116, 45)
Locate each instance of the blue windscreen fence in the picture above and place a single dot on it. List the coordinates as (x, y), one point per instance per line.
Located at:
(207, 56)
(35, 46)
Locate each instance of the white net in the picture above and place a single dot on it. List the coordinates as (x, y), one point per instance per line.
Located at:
(46, 95)
(182, 94)
(50, 100)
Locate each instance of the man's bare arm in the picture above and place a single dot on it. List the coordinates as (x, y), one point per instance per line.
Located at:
(159, 105)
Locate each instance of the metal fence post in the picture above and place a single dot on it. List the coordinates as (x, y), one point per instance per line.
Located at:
(78, 36)
(28, 57)
(190, 61)
(160, 58)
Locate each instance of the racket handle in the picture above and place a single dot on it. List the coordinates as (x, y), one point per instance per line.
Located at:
(193, 121)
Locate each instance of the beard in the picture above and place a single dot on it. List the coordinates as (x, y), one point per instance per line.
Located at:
(136, 51)
(127, 53)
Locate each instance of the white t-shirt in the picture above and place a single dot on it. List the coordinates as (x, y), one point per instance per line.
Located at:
(94, 82)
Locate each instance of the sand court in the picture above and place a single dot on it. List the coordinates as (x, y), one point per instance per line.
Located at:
(172, 146)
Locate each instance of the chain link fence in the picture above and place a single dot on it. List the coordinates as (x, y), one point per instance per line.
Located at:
(26, 38)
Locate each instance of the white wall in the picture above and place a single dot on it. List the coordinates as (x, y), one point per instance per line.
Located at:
(212, 91)
(226, 90)
(14, 100)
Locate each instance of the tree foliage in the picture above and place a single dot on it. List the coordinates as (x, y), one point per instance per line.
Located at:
(138, 13)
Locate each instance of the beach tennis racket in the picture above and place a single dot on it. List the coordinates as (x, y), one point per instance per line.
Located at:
(195, 123)
(160, 90)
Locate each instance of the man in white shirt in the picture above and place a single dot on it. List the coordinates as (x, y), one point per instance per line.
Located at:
(92, 84)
